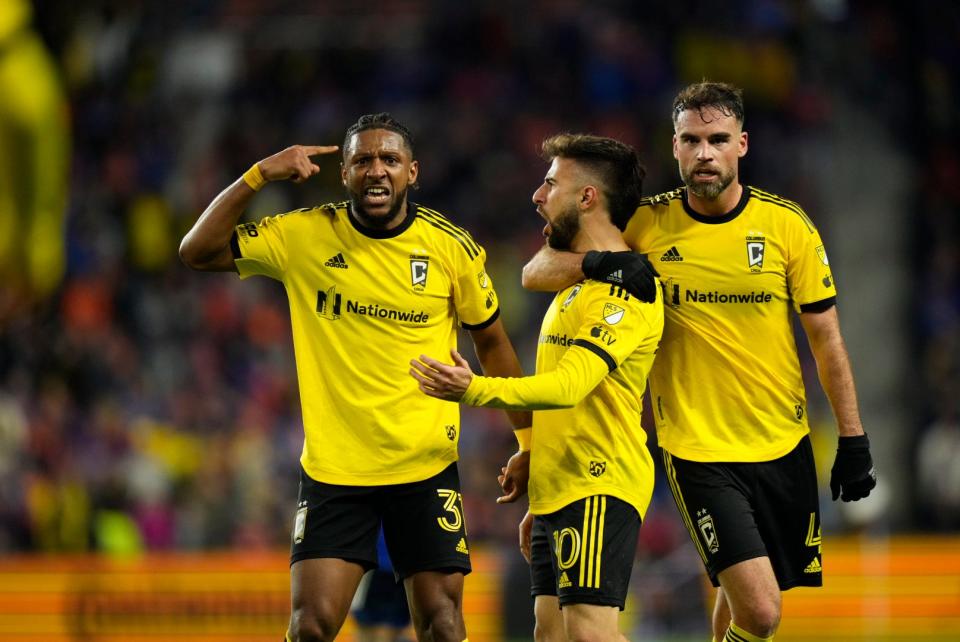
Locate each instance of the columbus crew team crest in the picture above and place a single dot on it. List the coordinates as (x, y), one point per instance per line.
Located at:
(419, 264)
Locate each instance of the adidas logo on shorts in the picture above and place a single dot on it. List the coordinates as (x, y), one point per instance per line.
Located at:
(462, 546)
(814, 567)
(564, 581)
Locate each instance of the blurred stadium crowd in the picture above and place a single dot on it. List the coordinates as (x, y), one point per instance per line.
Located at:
(144, 407)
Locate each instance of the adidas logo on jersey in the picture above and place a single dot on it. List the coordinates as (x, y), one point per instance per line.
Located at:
(462, 546)
(813, 567)
(671, 255)
(337, 261)
(564, 581)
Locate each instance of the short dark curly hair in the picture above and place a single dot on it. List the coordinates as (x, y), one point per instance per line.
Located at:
(722, 96)
(616, 165)
(383, 120)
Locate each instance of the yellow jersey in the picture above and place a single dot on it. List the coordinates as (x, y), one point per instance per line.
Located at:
(727, 384)
(596, 346)
(363, 303)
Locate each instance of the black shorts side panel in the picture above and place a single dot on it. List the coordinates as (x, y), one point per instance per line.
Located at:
(589, 546)
(335, 521)
(424, 525)
(739, 511)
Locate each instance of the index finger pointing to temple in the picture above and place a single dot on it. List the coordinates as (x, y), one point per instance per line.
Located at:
(313, 150)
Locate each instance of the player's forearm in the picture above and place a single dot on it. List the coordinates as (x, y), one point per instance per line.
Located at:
(207, 245)
(551, 270)
(498, 359)
(836, 377)
(577, 373)
(834, 370)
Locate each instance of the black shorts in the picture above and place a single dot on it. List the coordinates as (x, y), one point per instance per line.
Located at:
(423, 523)
(740, 511)
(583, 553)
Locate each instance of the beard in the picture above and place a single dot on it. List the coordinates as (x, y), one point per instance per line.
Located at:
(707, 191)
(377, 221)
(564, 229)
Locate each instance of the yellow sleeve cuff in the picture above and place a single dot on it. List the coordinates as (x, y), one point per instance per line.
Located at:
(254, 178)
(523, 436)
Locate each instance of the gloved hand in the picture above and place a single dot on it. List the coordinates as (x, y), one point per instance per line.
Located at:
(627, 269)
(852, 470)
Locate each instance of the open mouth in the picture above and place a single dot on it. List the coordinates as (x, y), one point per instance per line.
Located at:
(376, 195)
(705, 174)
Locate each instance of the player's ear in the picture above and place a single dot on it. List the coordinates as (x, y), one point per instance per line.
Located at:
(589, 196)
(343, 174)
(743, 145)
(414, 173)
(676, 151)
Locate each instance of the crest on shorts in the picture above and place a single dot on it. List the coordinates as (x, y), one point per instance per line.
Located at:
(707, 530)
(300, 525)
(597, 468)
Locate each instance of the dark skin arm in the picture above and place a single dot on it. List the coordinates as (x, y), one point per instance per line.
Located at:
(498, 359)
(206, 246)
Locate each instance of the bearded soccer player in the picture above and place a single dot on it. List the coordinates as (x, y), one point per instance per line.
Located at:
(370, 282)
(727, 392)
(591, 474)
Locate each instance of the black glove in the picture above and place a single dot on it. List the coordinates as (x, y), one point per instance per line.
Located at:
(631, 271)
(852, 470)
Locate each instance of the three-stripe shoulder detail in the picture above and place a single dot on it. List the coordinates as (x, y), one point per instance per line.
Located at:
(773, 199)
(661, 199)
(441, 222)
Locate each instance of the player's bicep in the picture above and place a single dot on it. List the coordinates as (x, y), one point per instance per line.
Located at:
(809, 277)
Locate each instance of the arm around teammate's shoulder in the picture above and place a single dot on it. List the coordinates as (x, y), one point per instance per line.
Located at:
(552, 270)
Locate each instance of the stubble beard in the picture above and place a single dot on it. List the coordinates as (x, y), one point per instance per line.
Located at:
(564, 229)
(707, 191)
(377, 222)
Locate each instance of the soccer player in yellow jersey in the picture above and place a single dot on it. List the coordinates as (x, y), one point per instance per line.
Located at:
(591, 474)
(726, 388)
(371, 282)
(34, 164)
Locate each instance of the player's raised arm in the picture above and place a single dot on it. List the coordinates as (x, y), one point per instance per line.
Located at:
(207, 245)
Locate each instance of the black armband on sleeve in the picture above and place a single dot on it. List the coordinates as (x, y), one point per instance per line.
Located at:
(235, 247)
(483, 324)
(819, 306)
